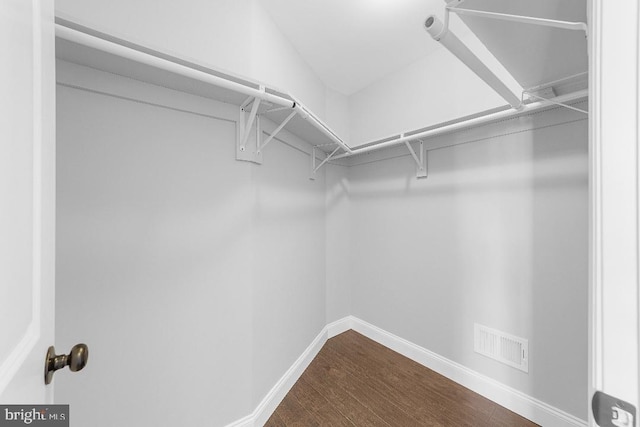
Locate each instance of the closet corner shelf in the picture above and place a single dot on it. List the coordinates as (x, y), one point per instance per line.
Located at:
(85, 46)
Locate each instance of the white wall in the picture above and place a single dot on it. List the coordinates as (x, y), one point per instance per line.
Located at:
(338, 243)
(196, 280)
(236, 36)
(288, 264)
(435, 89)
(338, 116)
(275, 61)
(166, 243)
(497, 234)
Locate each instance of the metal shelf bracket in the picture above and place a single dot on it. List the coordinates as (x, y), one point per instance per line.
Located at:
(551, 101)
(248, 142)
(249, 145)
(566, 25)
(421, 171)
(314, 168)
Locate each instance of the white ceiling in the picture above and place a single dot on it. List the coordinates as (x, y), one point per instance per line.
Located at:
(353, 43)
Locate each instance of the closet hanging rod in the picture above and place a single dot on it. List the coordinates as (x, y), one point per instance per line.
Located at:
(103, 45)
(97, 43)
(476, 121)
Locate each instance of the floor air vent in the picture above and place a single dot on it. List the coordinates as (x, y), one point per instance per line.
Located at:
(505, 348)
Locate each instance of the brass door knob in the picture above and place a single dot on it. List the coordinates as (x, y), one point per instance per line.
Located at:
(75, 360)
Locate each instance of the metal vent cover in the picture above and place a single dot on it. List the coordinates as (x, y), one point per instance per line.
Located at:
(503, 347)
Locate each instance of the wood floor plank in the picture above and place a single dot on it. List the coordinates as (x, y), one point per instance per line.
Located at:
(318, 405)
(275, 420)
(453, 404)
(503, 417)
(428, 378)
(367, 394)
(293, 413)
(320, 377)
(419, 407)
(354, 381)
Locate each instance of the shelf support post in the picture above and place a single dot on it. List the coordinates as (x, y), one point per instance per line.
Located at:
(244, 150)
(551, 101)
(315, 168)
(420, 161)
(246, 127)
(565, 25)
(312, 170)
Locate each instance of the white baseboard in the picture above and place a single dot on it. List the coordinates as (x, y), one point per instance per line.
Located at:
(340, 326)
(271, 401)
(282, 387)
(243, 422)
(512, 399)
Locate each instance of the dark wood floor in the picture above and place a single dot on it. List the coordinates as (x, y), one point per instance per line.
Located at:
(355, 381)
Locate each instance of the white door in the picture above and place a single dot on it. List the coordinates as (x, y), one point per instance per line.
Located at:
(27, 197)
(614, 42)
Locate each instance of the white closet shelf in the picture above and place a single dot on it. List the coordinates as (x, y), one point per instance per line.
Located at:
(85, 46)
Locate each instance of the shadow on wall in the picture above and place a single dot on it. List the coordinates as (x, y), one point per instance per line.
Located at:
(497, 234)
(338, 193)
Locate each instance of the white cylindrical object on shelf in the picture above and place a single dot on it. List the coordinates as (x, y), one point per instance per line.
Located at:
(452, 43)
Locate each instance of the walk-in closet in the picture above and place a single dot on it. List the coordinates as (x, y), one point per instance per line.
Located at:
(358, 213)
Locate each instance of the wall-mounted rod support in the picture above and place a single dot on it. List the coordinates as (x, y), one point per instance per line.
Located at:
(551, 101)
(477, 121)
(273, 110)
(413, 153)
(312, 170)
(247, 101)
(329, 157)
(249, 124)
(318, 124)
(567, 25)
(423, 171)
(275, 132)
(422, 166)
(557, 82)
(440, 32)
